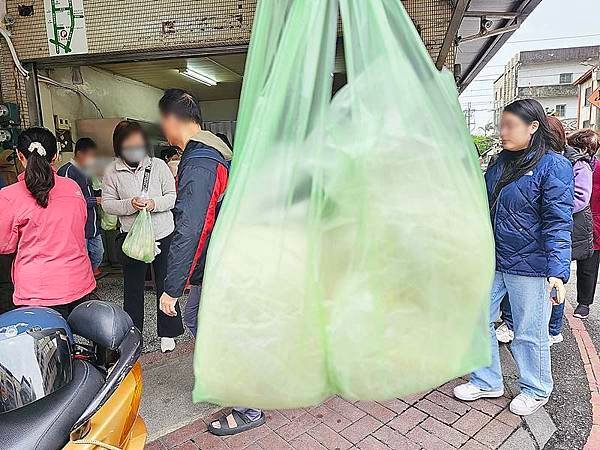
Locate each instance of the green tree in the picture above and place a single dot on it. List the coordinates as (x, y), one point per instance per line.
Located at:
(483, 143)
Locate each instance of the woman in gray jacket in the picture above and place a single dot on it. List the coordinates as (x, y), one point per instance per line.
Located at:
(135, 181)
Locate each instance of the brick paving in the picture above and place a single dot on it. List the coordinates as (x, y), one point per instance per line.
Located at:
(432, 420)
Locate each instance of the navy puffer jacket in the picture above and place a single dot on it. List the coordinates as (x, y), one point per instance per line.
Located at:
(532, 218)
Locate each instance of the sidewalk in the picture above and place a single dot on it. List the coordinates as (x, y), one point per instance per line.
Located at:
(432, 420)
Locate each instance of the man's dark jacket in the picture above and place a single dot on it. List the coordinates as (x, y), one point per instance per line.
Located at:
(92, 225)
(201, 182)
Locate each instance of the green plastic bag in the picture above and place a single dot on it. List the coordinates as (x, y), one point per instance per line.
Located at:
(108, 222)
(140, 241)
(353, 254)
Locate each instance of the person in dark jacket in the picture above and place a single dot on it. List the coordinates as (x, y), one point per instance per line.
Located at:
(587, 142)
(80, 170)
(202, 178)
(171, 155)
(530, 192)
(582, 247)
(582, 237)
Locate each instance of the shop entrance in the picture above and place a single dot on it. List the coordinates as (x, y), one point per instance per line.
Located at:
(88, 100)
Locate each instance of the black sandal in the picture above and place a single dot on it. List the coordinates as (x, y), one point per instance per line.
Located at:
(241, 421)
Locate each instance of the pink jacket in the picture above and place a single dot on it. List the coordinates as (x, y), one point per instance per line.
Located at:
(51, 265)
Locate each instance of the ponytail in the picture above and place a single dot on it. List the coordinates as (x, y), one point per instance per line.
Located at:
(39, 178)
(38, 146)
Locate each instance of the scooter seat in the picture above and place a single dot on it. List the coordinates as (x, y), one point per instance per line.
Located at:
(46, 423)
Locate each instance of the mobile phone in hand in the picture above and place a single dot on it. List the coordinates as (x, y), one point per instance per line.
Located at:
(554, 294)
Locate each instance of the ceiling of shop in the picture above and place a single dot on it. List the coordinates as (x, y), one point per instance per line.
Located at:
(227, 70)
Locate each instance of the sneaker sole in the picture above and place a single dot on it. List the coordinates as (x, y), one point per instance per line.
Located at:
(579, 316)
(482, 394)
(557, 342)
(541, 404)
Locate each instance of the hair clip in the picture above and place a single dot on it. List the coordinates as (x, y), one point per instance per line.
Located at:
(37, 147)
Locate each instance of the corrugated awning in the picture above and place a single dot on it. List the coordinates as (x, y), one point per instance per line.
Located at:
(481, 27)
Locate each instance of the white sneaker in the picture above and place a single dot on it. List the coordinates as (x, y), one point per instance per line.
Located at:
(523, 404)
(167, 344)
(556, 339)
(469, 392)
(504, 334)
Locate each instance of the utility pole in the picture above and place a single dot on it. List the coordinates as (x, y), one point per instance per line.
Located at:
(468, 116)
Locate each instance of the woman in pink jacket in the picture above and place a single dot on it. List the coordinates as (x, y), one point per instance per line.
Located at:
(42, 220)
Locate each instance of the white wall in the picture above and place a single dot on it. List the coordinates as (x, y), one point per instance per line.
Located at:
(217, 110)
(115, 96)
(549, 104)
(548, 74)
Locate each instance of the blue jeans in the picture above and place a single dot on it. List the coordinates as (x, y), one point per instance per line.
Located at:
(556, 318)
(531, 347)
(95, 250)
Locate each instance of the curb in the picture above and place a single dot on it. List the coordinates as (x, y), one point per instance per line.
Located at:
(535, 430)
(591, 364)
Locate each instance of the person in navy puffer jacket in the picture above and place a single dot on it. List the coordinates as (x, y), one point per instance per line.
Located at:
(530, 192)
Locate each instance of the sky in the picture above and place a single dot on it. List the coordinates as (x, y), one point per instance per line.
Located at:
(553, 24)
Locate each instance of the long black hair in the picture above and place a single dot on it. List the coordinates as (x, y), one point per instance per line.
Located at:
(542, 141)
(38, 146)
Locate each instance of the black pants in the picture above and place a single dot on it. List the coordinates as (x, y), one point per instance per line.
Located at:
(6, 284)
(587, 277)
(134, 274)
(66, 309)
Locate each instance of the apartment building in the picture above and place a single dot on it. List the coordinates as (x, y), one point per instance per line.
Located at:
(548, 76)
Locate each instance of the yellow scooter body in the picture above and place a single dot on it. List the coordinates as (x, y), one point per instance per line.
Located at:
(117, 423)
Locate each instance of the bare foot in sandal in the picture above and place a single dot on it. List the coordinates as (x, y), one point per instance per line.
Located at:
(234, 423)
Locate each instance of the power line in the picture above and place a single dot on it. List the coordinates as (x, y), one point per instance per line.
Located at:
(537, 40)
(554, 38)
(480, 110)
(525, 77)
(482, 79)
(480, 90)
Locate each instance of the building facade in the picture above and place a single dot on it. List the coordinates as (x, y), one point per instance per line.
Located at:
(588, 115)
(547, 76)
(134, 30)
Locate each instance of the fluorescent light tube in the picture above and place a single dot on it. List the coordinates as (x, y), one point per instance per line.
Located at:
(197, 76)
